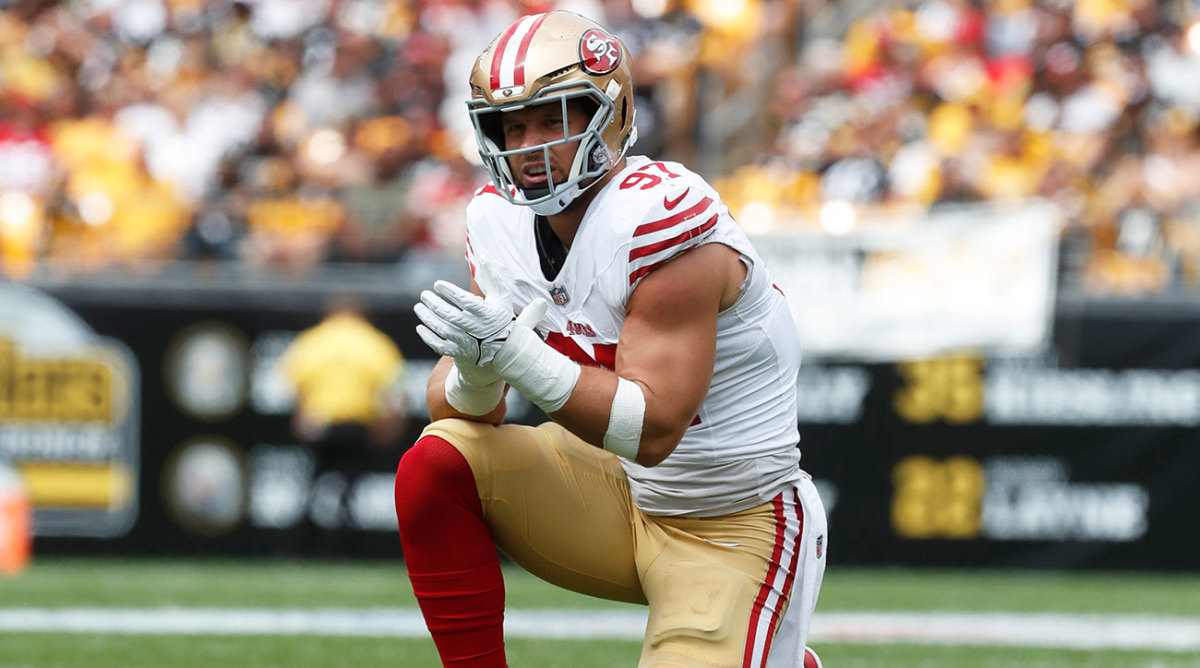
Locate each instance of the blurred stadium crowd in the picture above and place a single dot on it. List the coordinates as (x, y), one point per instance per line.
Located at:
(1093, 104)
(287, 134)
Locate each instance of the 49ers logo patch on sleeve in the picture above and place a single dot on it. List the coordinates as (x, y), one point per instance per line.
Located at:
(599, 52)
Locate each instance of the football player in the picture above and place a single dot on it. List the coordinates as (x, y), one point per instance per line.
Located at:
(617, 293)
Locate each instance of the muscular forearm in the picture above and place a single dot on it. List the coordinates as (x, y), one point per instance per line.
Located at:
(587, 409)
(440, 408)
(588, 413)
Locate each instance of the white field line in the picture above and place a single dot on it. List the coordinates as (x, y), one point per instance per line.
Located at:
(1079, 631)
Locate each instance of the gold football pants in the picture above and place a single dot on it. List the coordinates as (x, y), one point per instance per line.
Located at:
(717, 587)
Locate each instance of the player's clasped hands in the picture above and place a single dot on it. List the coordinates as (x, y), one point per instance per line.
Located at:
(488, 343)
(463, 325)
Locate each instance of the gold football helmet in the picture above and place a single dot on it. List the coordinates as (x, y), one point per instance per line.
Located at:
(551, 58)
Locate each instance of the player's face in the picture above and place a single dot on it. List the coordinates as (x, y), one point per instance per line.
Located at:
(533, 126)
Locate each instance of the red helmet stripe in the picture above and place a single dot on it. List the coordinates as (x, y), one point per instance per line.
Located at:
(498, 53)
(519, 78)
(510, 49)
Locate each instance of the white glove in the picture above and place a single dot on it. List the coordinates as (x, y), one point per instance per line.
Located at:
(469, 388)
(470, 375)
(467, 327)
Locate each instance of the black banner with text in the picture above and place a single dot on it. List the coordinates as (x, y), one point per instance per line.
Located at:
(1087, 456)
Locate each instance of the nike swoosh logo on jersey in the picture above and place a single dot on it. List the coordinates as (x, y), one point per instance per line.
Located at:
(672, 203)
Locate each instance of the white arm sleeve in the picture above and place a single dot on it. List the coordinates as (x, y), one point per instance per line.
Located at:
(471, 399)
(624, 434)
(542, 374)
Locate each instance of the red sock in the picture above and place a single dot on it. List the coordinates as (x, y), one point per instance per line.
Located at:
(451, 558)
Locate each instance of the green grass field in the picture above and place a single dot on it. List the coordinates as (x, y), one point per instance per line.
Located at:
(168, 585)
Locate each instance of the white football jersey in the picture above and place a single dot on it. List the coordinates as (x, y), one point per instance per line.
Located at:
(741, 448)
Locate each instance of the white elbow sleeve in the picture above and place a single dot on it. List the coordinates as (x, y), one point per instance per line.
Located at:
(625, 421)
(470, 399)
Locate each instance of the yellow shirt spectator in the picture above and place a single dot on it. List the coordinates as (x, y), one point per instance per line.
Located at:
(343, 369)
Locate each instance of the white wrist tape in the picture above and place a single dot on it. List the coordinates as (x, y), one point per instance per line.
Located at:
(472, 399)
(540, 373)
(624, 433)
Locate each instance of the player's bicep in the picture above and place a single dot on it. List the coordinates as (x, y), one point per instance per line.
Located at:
(668, 341)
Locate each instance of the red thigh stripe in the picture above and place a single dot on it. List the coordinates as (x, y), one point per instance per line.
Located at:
(794, 544)
(789, 520)
(765, 590)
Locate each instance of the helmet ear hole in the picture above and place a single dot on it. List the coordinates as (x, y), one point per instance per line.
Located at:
(624, 110)
(598, 157)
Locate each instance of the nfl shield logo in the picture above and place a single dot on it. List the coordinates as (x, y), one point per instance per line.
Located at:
(560, 295)
(820, 544)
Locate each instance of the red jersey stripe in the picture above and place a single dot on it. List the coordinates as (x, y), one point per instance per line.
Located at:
(651, 249)
(519, 75)
(469, 252)
(694, 232)
(647, 228)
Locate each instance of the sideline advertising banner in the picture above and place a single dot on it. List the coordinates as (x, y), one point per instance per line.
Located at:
(1086, 455)
(967, 461)
(69, 417)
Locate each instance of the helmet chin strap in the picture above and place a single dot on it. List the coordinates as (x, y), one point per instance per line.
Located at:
(554, 205)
